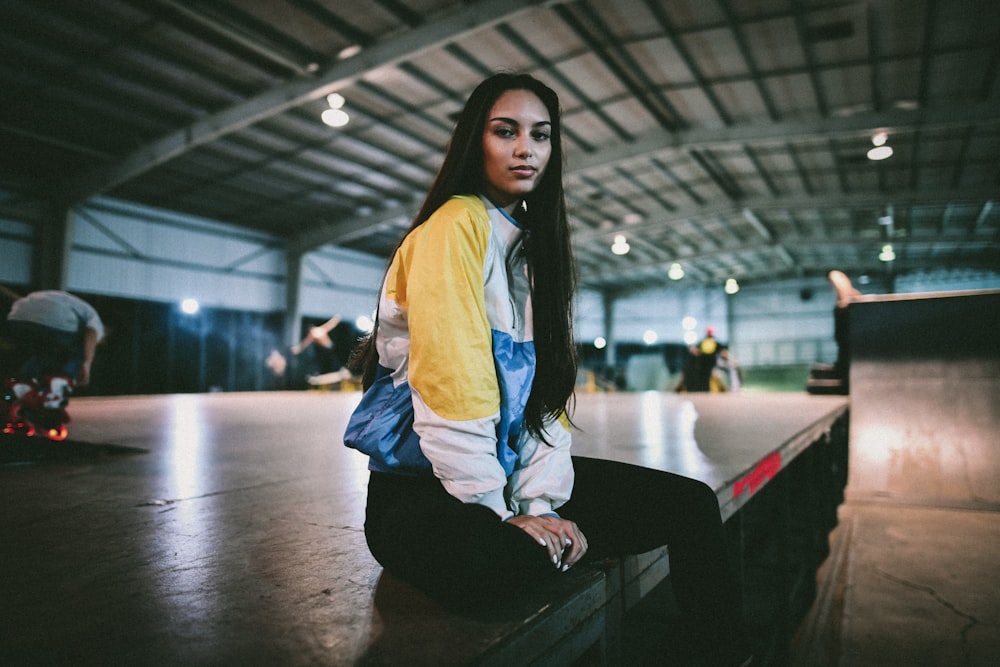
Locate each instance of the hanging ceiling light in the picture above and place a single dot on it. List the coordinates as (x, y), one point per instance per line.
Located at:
(676, 271)
(335, 116)
(732, 287)
(349, 52)
(881, 150)
(620, 246)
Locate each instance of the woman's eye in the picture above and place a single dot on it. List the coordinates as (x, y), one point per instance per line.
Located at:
(540, 136)
(504, 132)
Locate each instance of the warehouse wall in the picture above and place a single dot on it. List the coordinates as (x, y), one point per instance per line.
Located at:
(785, 322)
(137, 263)
(124, 250)
(16, 240)
(129, 251)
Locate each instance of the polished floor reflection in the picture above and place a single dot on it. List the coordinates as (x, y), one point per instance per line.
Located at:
(220, 529)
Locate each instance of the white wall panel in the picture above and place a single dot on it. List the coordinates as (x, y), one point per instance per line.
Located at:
(166, 236)
(663, 312)
(131, 251)
(15, 252)
(340, 281)
(323, 302)
(138, 279)
(589, 316)
(785, 323)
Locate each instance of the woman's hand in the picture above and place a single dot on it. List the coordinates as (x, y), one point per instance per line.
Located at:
(563, 540)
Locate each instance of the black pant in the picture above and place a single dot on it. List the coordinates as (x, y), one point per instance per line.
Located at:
(45, 351)
(461, 553)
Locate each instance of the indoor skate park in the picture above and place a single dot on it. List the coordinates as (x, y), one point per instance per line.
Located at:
(169, 164)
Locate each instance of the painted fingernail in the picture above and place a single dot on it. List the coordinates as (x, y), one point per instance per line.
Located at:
(568, 541)
(555, 559)
(565, 567)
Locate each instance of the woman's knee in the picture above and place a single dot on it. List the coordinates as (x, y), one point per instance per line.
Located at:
(702, 499)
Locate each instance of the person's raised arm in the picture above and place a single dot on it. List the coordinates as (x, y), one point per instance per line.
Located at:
(90, 340)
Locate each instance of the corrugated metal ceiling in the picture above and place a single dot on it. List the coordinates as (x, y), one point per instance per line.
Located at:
(726, 135)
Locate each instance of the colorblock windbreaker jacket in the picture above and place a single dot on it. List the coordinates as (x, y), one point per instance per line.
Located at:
(456, 363)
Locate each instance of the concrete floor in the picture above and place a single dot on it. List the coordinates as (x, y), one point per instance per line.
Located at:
(906, 585)
(914, 572)
(912, 578)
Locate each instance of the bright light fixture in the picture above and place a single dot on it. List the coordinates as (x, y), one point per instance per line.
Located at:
(880, 152)
(600, 343)
(335, 117)
(349, 52)
(620, 246)
(732, 287)
(689, 323)
(364, 323)
(649, 337)
(676, 271)
(887, 254)
(190, 306)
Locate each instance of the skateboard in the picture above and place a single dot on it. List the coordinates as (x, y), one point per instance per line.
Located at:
(33, 408)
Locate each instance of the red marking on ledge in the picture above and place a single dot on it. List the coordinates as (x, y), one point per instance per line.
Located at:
(756, 478)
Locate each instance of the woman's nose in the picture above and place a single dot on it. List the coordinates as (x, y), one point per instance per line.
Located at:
(522, 147)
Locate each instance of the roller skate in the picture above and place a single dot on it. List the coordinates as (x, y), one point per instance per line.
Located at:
(34, 408)
(14, 393)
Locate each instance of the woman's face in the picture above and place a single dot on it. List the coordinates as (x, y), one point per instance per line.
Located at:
(517, 144)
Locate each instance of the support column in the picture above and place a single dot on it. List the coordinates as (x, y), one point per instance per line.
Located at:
(293, 296)
(53, 248)
(608, 303)
(730, 320)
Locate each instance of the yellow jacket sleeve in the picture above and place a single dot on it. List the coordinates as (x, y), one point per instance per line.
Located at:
(451, 370)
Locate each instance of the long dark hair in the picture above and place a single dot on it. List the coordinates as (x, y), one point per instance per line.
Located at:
(546, 242)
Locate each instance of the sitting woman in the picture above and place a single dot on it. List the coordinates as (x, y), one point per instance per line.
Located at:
(474, 496)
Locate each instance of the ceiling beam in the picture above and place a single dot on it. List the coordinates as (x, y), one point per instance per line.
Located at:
(449, 28)
(705, 138)
(340, 232)
(757, 204)
(234, 35)
(785, 131)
